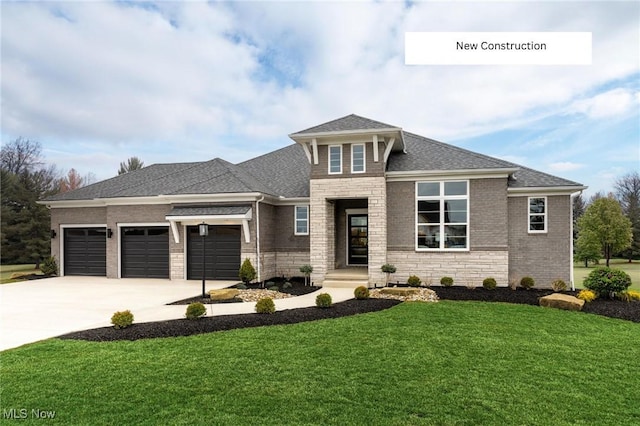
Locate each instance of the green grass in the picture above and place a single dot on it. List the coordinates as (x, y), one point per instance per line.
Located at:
(633, 269)
(462, 363)
(7, 270)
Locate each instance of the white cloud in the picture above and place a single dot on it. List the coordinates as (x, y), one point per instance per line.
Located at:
(565, 166)
(608, 104)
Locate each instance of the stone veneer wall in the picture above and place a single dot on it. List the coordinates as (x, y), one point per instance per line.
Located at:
(464, 267)
(324, 192)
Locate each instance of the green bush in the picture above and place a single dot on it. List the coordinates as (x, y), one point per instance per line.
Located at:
(286, 285)
(414, 281)
(527, 283)
(489, 283)
(273, 288)
(122, 319)
(446, 281)
(195, 311)
(559, 285)
(323, 300)
(265, 306)
(241, 286)
(49, 266)
(247, 272)
(607, 281)
(361, 293)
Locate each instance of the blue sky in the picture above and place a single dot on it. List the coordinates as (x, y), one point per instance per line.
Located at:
(98, 82)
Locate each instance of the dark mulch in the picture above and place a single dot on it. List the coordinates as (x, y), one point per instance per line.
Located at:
(297, 289)
(610, 308)
(184, 327)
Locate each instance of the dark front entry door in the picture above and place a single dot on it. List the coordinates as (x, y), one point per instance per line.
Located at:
(358, 239)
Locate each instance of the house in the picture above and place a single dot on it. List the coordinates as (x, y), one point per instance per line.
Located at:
(350, 193)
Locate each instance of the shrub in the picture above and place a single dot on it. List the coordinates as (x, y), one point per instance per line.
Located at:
(559, 285)
(388, 269)
(489, 283)
(446, 281)
(49, 266)
(628, 296)
(247, 272)
(587, 295)
(323, 300)
(195, 311)
(513, 284)
(122, 319)
(287, 284)
(265, 306)
(241, 286)
(273, 288)
(527, 283)
(470, 286)
(361, 293)
(607, 281)
(414, 281)
(306, 270)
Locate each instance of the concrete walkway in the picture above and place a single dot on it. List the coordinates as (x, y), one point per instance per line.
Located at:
(34, 310)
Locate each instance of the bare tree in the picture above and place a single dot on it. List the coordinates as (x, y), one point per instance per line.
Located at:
(21, 155)
(628, 194)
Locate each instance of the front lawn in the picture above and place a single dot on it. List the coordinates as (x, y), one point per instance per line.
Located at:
(633, 269)
(6, 271)
(417, 363)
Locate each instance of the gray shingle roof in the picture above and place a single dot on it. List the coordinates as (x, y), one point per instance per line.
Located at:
(209, 210)
(350, 122)
(285, 172)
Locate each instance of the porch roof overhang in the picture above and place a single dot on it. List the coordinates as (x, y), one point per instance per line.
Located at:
(211, 215)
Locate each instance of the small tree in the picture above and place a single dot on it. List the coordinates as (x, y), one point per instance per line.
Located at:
(388, 269)
(603, 223)
(306, 270)
(587, 250)
(247, 272)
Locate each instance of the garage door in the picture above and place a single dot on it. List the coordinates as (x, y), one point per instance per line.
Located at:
(222, 251)
(85, 251)
(145, 252)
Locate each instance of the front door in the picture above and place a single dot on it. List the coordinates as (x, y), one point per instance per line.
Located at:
(358, 239)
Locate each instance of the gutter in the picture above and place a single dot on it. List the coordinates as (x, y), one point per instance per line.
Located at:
(571, 274)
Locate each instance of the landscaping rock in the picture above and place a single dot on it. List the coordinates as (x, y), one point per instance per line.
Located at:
(223, 294)
(399, 291)
(562, 301)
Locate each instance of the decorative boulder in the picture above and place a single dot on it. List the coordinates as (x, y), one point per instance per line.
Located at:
(399, 291)
(562, 301)
(223, 294)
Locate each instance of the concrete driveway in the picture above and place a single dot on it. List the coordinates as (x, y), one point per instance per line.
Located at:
(39, 309)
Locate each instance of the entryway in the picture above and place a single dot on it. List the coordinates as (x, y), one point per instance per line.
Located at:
(358, 239)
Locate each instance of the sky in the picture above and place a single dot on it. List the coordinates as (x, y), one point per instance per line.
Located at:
(98, 82)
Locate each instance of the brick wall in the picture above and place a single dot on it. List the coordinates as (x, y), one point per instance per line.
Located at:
(73, 216)
(488, 214)
(545, 257)
(321, 170)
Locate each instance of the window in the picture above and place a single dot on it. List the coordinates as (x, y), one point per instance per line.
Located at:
(335, 159)
(357, 158)
(301, 220)
(537, 215)
(442, 215)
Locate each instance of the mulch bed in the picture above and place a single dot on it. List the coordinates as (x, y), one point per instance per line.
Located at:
(610, 308)
(184, 327)
(173, 328)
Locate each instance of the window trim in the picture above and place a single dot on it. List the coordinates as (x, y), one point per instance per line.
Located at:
(296, 220)
(329, 159)
(545, 215)
(364, 158)
(441, 199)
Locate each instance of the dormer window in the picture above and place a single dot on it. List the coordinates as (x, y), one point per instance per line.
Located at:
(335, 159)
(357, 158)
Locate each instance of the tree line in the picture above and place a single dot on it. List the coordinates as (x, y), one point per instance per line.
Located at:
(26, 178)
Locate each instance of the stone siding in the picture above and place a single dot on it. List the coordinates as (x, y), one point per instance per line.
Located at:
(324, 193)
(544, 257)
(464, 267)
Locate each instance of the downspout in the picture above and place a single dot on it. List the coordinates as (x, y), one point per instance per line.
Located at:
(571, 276)
(258, 237)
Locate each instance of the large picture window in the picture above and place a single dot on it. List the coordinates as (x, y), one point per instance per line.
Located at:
(302, 220)
(537, 215)
(442, 215)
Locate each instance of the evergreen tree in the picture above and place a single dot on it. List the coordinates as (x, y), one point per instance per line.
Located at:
(133, 163)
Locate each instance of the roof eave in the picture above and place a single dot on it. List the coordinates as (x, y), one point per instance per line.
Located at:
(156, 199)
(544, 190)
(457, 174)
(386, 131)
